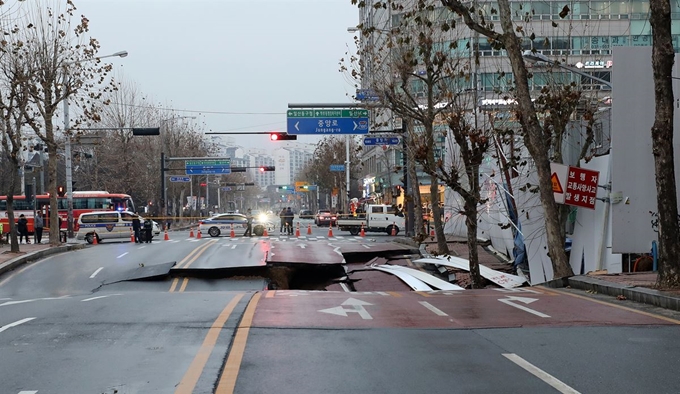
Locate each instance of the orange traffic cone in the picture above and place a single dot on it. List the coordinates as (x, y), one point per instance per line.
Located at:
(166, 238)
(132, 236)
(330, 231)
(394, 229)
(432, 232)
(362, 233)
(191, 234)
(297, 229)
(309, 229)
(232, 234)
(265, 233)
(198, 234)
(94, 239)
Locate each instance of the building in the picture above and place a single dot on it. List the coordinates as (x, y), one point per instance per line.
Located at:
(289, 160)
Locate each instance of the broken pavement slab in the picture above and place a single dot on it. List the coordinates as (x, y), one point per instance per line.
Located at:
(507, 281)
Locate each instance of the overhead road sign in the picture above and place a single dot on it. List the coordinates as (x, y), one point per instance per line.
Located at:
(370, 141)
(203, 167)
(327, 121)
(180, 179)
(338, 167)
(366, 95)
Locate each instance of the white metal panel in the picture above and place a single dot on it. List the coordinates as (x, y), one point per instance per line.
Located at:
(502, 279)
(411, 281)
(425, 277)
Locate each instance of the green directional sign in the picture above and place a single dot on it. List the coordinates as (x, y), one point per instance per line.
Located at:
(214, 163)
(206, 166)
(327, 113)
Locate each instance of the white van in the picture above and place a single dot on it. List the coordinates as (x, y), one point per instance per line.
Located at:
(107, 225)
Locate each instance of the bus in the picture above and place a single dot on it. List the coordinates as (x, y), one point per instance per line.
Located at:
(85, 201)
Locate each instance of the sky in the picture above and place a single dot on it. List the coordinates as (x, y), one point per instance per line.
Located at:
(236, 65)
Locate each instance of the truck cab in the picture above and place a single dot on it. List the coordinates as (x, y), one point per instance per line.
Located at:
(375, 218)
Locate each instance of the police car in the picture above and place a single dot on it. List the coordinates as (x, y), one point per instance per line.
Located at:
(221, 224)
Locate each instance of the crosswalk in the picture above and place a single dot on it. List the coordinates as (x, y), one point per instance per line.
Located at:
(282, 238)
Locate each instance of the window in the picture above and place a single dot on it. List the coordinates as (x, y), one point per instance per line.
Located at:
(377, 209)
(110, 217)
(127, 217)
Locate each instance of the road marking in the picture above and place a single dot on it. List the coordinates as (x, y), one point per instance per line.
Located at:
(16, 323)
(625, 308)
(188, 382)
(366, 246)
(233, 246)
(270, 294)
(191, 257)
(357, 306)
(512, 299)
(541, 374)
(122, 255)
(185, 282)
(173, 285)
(424, 294)
(302, 246)
(28, 392)
(98, 297)
(96, 272)
(344, 287)
(227, 381)
(394, 294)
(433, 308)
(17, 302)
(12, 274)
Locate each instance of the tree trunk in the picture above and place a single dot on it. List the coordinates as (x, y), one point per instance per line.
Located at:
(442, 246)
(415, 196)
(536, 144)
(663, 57)
(52, 175)
(471, 224)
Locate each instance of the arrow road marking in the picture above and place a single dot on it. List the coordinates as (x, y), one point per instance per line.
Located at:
(302, 246)
(16, 323)
(433, 308)
(357, 306)
(525, 300)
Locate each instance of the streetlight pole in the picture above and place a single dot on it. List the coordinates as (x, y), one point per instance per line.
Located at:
(164, 192)
(67, 147)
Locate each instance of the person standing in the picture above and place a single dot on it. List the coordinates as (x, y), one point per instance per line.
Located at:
(289, 220)
(249, 224)
(38, 225)
(22, 228)
(148, 230)
(282, 216)
(136, 226)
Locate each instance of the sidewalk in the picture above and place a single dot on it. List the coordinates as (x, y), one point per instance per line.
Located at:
(30, 252)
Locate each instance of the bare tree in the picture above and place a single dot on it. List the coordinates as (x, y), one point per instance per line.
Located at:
(663, 58)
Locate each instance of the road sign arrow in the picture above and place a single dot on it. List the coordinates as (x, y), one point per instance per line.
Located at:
(354, 301)
(297, 124)
(355, 125)
(525, 300)
(338, 310)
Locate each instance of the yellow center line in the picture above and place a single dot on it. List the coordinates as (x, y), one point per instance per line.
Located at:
(424, 294)
(545, 290)
(270, 294)
(174, 285)
(185, 282)
(227, 381)
(193, 252)
(197, 255)
(186, 386)
(394, 294)
(625, 308)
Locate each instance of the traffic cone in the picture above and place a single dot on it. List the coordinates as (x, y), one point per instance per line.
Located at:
(232, 234)
(394, 229)
(297, 229)
(309, 229)
(330, 231)
(132, 236)
(94, 239)
(166, 238)
(265, 233)
(191, 234)
(362, 233)
(198, 235)
(432, 232)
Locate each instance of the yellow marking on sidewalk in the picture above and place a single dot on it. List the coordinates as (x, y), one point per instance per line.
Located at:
(393, 294)
(625, 308)
(270, 294)
(546, 290)
(185, 282)
(174, 285)
(195, 253)
(227, 382)
(186, 386)
(424, 294)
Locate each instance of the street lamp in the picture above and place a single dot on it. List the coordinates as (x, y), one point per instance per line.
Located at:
(67, 148)
(536, 57)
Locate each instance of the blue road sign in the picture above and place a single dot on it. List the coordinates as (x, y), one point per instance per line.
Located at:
(369, 141)
(337, 167)
(366, 95)
(203, 167)
(327, 121)
(226, 189)
(180, 179)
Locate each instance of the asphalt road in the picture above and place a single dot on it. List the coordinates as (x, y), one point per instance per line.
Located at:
(77, 322)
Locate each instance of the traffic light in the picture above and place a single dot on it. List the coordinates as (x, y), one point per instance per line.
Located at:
(282, 137)
(146, 131)
(61, 192)
(267, 168)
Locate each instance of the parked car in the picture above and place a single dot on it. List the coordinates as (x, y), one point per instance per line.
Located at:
(324, 217)
(222, 223)
(306, 214)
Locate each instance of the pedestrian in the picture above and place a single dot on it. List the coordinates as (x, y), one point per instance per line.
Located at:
(148, 229)
(22, 228)
(249, 224)
(282, 216)
(136, 225)
(38, 225)
(289, 220)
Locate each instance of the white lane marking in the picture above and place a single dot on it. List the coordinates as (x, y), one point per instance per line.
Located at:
(16, 302)
(122, 255)
(382, 293)
(433, 308)
(302, 246)
(99, 297)
(3, 299)
(16, 323)
(344, 287)
(525, 300)
(366, 246)
(96, 272)
(337, 250)
(233, 246)
(28, 392)
(541, 374)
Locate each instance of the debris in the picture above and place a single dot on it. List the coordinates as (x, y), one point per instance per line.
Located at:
(507, 281)
(425, 277)
(621, 297)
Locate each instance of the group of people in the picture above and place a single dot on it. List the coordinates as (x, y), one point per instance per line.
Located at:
(286, 215)
(138, 227)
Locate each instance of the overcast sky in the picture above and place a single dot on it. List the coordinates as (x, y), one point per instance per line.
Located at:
(238, 63)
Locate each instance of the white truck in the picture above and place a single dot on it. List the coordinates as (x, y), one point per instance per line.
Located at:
(375, 218)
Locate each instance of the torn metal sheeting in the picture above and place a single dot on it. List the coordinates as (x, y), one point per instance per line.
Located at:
(425, 277)
(411, 281)
(502, 279)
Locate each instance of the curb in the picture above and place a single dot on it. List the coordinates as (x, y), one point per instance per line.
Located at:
(632, 293)
(38, 254)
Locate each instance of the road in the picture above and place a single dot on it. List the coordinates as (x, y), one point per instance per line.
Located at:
(194, 316)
